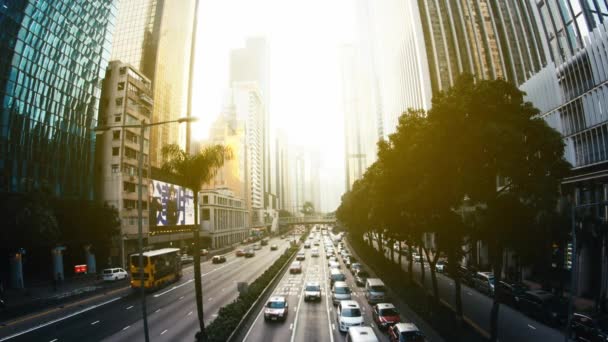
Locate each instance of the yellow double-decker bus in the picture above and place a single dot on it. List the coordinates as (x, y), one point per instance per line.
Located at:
(161, 267)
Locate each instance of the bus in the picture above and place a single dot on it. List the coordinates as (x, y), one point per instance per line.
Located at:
(161, 267)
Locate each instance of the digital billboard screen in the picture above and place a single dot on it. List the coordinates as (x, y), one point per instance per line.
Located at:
(170, 205)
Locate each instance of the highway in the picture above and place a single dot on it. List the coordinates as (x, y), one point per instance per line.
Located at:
(116, 316)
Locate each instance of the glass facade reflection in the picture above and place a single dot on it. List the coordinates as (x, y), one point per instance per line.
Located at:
(53, 55)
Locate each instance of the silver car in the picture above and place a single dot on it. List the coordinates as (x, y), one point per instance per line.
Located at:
(340, 292)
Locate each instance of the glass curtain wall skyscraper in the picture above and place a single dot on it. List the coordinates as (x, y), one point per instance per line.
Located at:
(155, 36)
(54, 56)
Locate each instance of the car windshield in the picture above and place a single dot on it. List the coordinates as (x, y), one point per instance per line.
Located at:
(377, 288)
(389, 312)
(351, 312)
(276, 305)
(107, 271)
(363, 274)
(339, 277)
(342, 290)
(409, 336)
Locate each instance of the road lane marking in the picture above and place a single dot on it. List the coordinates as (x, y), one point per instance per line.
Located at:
(329, 323)
(130, 307)
(531, 327)
(157, 310)
(94, 322)
(210, 299)
(125, 328)
(59, 319)
(291, 326)
(253, 325)
(182, 297)
(189, 313)
(53, 340)
(164, 331)
(333, 327)
(173, 288)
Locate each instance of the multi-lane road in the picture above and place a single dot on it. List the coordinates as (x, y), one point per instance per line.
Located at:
(116, 315)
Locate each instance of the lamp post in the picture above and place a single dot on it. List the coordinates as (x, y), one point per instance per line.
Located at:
(140, 240)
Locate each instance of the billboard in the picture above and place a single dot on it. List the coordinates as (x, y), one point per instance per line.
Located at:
(170, 204)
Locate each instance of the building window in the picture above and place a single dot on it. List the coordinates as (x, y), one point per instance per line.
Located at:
(206, 215)
(123, 70)
(115, 135)
(119, 101)
(115, 151)
(121, 86)
(205, 199)
(115, 168)
(117, 118)
(128, 187)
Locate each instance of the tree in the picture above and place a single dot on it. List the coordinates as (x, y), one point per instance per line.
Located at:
(511, 162)
(194, 171)
(308, 208)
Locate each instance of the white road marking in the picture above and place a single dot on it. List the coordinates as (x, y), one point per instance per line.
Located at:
(333, 327)
(157, 310)
(130, 307)
(531, 327)
(59, 319)
(469, 293)
(164, 331)
(182, 297)
(94, 322)
(173, 288)
(125, 328)
(253, 325)
(291, 326)
(189, 313)
(53, 340)
(210, 299)
(329, 323)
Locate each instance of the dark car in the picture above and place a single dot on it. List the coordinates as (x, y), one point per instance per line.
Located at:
(544, 306)
(354, 267)
(509, 293)
(264, 242)
(385, 315)
(218, 259)
(589, 328)
(274, 247)
(360, 277)
(249, 253)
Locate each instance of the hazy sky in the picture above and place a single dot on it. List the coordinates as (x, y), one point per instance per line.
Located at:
(304, 73)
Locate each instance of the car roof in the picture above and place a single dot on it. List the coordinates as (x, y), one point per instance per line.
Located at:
(363, 334)
(406, 327)
(296, 263)
(277, 299)
(375, 281)
(313, 283)
(352, 304)
(340, 284)
(385, 306)
(335, 271)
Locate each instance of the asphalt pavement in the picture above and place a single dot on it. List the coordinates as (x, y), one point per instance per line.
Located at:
(116, 315)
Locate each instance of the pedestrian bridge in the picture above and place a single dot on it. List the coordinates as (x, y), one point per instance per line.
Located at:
(317, 219)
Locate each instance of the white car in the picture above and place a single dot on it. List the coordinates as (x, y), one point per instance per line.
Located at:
(312, 291)
(113, 274)
(314, 252)
(348, 314)
(334, 264)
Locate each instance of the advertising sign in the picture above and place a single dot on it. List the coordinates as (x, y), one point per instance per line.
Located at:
(170, 205)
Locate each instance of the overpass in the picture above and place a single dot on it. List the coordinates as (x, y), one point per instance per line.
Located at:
(316, 219)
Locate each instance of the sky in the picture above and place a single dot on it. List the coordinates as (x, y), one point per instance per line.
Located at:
(305, 97)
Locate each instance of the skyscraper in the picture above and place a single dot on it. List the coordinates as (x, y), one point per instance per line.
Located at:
(54, 57)
(155, 36)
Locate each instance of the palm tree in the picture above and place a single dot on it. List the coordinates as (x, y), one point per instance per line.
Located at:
(194, 171)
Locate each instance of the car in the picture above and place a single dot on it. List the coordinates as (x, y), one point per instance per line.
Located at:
(509, 293)
(312, 291)
(257, 247)
(186, 259)
(375, 291)
(405, 332)
(316, 243)
(589, 328)
(440, 266)
(204, 252)
(336, 275)
(354, 267)
(334, 265)
(296, 267)
(348, 262)
(332, 259)
(544, 306)
(484, 282)
(360, 277)
(416, 257)
(385, 315)
(274, 247)
(218, 259)
(239, 252)
(249, 253)
(340, 291)
(114, 274)
(276, 308)
(264, 242)
(314, 252)
(348, 314)
(307, 244)
(301, 256)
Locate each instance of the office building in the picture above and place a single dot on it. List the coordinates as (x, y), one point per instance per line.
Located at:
(224, 217)
(54, 57)
(155, 36)
(126, 99)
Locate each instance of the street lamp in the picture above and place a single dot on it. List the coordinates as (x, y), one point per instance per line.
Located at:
(140, 160)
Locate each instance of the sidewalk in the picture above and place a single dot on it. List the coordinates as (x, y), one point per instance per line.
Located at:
(41, 295)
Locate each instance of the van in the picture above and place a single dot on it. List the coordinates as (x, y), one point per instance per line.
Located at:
(375, 291)
(336, 275)
(484, 282)
(340, 292)
(361, 334)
